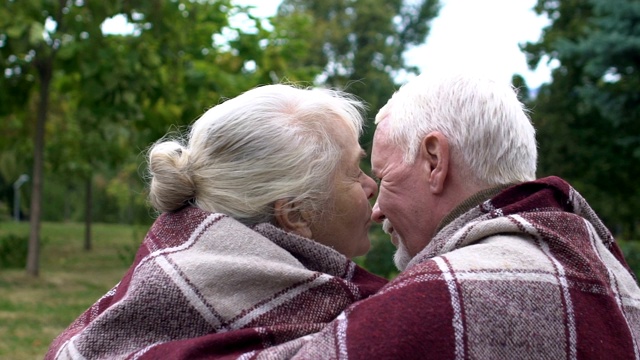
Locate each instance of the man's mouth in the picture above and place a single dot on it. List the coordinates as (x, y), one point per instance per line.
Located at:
(388, 228)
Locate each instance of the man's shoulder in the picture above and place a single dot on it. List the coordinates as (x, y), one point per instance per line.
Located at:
(502, 248)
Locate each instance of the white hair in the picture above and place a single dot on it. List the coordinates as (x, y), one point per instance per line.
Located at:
(487, 127)
(401, 258)
(270, 143)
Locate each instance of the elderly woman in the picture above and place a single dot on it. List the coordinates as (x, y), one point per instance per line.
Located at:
(261, 209)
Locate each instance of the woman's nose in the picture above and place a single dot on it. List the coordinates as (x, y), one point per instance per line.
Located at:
(370, 187)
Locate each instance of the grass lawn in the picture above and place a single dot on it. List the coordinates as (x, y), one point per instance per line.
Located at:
(33, 311)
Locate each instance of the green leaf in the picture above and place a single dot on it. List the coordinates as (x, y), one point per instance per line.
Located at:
(15, 31)
(67, 51)
(36, 33)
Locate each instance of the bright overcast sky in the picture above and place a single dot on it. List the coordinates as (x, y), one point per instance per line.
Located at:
(471, 35)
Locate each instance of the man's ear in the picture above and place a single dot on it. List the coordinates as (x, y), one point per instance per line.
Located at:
(434, 149)
(291, 220)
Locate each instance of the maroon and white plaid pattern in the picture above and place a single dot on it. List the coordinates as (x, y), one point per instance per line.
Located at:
(205, 281)
(529, 274)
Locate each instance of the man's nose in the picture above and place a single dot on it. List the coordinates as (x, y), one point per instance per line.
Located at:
(376, 213)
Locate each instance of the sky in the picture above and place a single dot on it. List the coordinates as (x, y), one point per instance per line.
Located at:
(472, 36)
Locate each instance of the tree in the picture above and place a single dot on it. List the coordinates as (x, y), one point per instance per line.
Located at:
(277, 55)
(610, 56)
(26, 52)
(15, 144)
(359, 45)
(587, 117)
(118, 90)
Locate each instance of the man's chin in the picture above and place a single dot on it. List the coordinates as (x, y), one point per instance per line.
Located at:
(401, 258)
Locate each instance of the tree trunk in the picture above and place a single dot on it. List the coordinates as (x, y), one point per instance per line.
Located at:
(44, 68)
(88, 213)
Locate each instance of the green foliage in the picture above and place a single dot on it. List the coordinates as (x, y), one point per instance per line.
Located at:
(127, 251)
(112, 95)
(587, 118)
(609, 55)
(359, 44)
(631, 251)
(379, 259)
(13, 251)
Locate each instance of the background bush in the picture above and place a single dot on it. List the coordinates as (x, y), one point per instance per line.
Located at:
(631, 251)
(13, 251)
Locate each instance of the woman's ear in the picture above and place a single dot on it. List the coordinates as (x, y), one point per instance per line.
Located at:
(291, 220)
(435, 150)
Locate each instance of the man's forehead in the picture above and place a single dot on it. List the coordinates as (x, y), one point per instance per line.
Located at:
(381, 147)
(381, 134)
(382, 119)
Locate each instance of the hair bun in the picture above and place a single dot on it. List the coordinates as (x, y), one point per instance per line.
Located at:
(171, 183)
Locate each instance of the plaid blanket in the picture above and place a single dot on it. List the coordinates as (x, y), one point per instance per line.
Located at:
(529, 274)
(199, 274)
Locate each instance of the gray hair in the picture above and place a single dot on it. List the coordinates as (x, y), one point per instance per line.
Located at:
(270, 143)
(487, 127)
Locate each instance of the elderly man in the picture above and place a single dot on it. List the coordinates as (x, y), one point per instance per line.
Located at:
(496, 264)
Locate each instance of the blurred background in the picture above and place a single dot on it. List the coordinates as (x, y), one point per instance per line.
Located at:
(87, 87)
